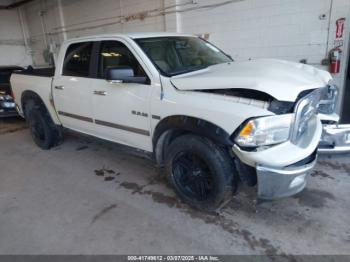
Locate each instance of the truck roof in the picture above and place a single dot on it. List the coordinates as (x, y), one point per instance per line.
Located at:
(155, 34)
(130, 35)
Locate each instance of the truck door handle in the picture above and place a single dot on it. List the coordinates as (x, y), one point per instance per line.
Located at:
(59, 87)
(100, 93)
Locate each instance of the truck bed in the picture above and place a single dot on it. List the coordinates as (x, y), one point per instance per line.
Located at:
(44, 72)
(37, 81)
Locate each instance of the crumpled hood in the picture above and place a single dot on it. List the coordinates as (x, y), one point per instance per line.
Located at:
(281, 79)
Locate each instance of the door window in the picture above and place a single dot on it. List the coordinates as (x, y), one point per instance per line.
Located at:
(77, 60)
(115, 54)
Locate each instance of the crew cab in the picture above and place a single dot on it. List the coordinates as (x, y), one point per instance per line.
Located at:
(209, 121)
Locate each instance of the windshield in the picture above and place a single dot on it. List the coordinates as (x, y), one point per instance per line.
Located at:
(179, 55)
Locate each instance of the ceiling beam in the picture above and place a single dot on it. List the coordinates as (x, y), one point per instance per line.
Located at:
(14, 5)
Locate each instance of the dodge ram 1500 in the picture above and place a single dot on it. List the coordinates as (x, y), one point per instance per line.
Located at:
(208, 120)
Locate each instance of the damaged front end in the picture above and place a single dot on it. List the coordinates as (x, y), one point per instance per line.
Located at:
(277, 183)
(281, 149)
(280, 167)
(335, 137)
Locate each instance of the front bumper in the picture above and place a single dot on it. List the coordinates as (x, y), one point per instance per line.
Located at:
(284, 154)
(274, 183)
(335, 139)
(282, 170)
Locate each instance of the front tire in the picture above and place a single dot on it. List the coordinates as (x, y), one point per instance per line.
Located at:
(201, 172)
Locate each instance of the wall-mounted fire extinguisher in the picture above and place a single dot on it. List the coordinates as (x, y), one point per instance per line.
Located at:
(335, 57)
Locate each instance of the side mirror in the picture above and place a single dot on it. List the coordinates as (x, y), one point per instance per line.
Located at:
(124, 74)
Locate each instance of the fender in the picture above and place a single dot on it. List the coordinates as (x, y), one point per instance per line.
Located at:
(194, 125)
(173, 126)
(28, 94)
(31, 100)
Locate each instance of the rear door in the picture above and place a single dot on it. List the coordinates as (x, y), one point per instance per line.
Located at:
(72, 90)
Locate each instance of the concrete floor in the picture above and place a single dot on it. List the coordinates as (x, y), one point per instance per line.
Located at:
(93, 197)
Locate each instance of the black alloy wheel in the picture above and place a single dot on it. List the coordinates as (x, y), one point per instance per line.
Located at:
(201, 172)
(193, 176)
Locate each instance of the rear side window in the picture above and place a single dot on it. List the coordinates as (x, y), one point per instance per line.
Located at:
(77, 60)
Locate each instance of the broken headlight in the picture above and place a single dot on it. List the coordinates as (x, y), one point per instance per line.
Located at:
(265, 131)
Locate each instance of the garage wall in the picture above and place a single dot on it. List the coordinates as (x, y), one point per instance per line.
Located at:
(292, 30)
(52, 21)
(12, 48)
(253, 29)
(246, 29)
(111, 16)
(283, 29)
(41, 17)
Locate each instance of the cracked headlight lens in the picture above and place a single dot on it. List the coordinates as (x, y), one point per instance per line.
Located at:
(265, 131)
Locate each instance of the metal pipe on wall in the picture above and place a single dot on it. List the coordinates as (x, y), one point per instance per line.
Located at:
(62, 20)
(24, 31)
(41, 15)
(329, 27)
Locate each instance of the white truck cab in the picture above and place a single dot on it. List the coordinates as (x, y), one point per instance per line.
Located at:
(208, 120)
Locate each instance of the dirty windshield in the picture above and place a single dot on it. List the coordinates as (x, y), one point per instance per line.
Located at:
(179, 55)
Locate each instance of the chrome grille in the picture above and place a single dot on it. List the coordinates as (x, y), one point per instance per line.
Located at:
(328, 102)
(305, 110)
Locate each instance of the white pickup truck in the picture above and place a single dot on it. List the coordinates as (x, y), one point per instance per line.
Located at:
(210, 121)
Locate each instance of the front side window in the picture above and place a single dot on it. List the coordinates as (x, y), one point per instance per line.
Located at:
(77, 60)
(114, 54)
(179, 55)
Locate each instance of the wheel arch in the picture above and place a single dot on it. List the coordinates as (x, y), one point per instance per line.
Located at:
(174, 126)
(31, 95)
(38, 102)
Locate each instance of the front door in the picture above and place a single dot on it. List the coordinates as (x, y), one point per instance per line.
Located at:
(121, 110)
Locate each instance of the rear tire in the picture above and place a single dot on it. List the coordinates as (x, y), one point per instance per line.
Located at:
(43, 131)
(201, 173)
